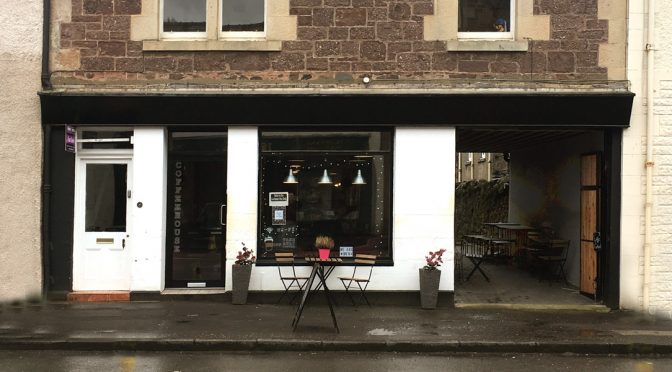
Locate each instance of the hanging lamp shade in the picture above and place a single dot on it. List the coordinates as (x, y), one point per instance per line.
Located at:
(359, 180)
(290, 177)
(325, 180)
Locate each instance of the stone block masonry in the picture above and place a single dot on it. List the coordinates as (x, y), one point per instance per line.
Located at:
(344, 38)
(661, 261)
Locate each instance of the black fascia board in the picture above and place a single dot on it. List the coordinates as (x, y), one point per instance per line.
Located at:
(557, 110)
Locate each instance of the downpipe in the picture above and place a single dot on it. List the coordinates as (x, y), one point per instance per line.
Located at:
(648, 205)
(46, 149)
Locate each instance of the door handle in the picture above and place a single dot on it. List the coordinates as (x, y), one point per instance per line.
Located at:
(123, 243)
(221, 214)
(597, 241)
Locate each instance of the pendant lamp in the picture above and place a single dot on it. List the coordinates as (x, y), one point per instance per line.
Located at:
(359, 180)
(290, 177)
(325, 180)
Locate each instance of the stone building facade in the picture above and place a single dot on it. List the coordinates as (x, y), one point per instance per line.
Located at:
(481, 166)
(20, 55)
(342, 40)
(657, 300)
(393, 68)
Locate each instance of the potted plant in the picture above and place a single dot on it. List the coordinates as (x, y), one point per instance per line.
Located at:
(242, 270)
(430, 276)
(324, 244)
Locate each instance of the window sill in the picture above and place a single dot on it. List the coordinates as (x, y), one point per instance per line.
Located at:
(211, 45)
(487, 45)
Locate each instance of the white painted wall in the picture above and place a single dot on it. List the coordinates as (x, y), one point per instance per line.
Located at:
(423, 190)
(424, 205)
(632, 222)
(21, 151)
(148, 227)
(545, 190)
(241, 195)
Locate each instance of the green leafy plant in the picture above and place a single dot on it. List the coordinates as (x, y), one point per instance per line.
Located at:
(324, 242)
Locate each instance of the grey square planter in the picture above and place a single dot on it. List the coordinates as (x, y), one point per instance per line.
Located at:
(240, 275)
(429, 288)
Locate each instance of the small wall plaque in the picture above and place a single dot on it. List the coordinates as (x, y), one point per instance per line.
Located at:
(345, 251)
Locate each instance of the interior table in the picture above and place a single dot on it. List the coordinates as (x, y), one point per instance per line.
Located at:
(321, 274)
(517, 233)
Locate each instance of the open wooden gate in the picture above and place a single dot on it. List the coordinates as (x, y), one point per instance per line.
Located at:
(590, 222)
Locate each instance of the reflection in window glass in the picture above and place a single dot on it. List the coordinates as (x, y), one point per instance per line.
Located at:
(184, 15)
(345, 195)
(105, 197)
(484, 16)
(243, 15)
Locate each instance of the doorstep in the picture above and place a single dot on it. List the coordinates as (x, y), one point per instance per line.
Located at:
(99, 296)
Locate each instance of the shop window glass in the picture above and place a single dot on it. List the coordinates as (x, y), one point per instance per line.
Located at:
(339, 186)
(485, 16)
(182, 16)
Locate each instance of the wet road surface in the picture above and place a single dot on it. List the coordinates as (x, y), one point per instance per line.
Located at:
(56, 361)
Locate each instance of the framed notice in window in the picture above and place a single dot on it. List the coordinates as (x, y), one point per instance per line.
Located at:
(279, 215)
(278, 199)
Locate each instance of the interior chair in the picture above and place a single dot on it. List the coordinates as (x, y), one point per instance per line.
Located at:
(552, 260)
(361, 276)
(288, 277)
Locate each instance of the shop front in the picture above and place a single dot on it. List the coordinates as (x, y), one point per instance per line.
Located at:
(167, 187)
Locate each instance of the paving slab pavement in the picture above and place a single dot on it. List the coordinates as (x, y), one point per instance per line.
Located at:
(219, 326)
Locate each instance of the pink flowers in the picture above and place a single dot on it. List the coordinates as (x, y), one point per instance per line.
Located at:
(434, 260)
(245, 256)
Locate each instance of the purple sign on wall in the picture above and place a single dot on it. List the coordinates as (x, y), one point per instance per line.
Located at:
(70, 139)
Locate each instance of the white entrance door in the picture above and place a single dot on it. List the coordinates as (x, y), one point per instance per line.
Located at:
(101, 257)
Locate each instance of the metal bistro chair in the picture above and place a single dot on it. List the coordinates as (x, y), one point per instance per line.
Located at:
(552, 260)
(288, 278)
(363, 262)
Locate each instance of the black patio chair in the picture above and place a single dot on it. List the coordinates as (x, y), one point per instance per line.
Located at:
(288, 277)
(363, 262)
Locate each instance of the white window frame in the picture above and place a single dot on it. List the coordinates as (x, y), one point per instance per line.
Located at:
(228, 35)
(493, 35)
(182, 35)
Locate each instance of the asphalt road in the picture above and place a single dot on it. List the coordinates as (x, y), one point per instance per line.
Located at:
(56, 361)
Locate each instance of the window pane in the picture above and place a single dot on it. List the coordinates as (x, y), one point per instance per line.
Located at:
(184, 15)
(243, 15)
(198, 143)
(485, 16)
(355, 211)
(326, 141)
(108, 139)
(105, 197)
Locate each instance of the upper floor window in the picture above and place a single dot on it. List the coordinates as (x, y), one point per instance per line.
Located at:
(190, 19)
(242, 18)
(486, 19)
(184, 18)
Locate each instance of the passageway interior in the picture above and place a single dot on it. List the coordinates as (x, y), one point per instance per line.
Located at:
(533, 247)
